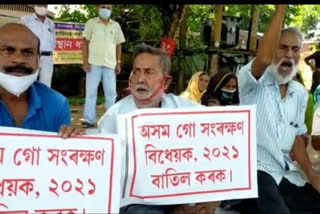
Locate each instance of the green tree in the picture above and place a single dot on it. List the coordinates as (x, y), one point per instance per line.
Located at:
(151, 22)
(91, 11)
(145, 21)
(306, 17)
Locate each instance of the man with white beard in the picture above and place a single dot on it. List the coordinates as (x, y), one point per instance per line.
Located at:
(281, 102)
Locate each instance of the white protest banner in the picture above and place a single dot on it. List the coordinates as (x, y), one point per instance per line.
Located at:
(43, 174)
(190, 155)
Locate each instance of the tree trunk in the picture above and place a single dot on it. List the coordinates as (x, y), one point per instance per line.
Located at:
(172, 14)
(254, 28)
(182, 46)
(215, 38)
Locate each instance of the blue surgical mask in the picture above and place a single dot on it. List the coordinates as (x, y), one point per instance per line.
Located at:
(104, 13)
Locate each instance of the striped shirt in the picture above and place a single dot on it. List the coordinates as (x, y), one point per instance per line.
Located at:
(279, 121)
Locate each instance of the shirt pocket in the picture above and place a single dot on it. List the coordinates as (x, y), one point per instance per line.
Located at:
(98, 34)
(113, 36)
(288, 137)
(50, 33)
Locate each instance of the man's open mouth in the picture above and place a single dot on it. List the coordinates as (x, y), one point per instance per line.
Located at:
(287, 64)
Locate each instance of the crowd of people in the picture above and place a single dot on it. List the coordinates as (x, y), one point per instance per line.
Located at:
(267, 82)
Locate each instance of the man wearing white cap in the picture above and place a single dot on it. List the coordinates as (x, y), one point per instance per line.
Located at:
(43, 28)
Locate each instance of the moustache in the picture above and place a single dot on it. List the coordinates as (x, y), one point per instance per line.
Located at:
(141, 87)
(19, 68)
(288, 63)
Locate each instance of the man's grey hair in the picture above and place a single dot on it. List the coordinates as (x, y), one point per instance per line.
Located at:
(293, 30)
(165, 61)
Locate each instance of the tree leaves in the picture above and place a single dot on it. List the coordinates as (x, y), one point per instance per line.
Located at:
(151, 21)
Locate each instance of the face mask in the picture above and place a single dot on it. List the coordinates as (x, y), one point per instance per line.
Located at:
(104, 13)
(159, 90)
(17, 85)
(41, 11)
(227, 95)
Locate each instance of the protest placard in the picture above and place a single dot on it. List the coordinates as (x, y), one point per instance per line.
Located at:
(69, 41)
(42, 173)
(179, 156)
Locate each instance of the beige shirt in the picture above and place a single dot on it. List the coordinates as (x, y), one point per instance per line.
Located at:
(103, 40)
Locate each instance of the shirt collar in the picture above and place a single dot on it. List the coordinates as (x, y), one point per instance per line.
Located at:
(269, 77)
(290, 88)
(110, 20)
(270, 80)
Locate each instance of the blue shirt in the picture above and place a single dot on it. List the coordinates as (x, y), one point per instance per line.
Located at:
(279, 121)
(47, 110)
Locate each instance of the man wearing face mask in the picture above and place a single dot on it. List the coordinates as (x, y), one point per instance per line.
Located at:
(281, 103)
(148, 81)
(43, 28)
(24, 101)
(101, 60)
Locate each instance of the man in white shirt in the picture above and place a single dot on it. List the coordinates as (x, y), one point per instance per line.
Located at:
(43, 28)
(148, 81)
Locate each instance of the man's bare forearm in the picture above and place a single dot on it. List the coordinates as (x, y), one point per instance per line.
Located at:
(300, 154)
(85, 51)
(269, 42)
(316, 142)
(118, 52)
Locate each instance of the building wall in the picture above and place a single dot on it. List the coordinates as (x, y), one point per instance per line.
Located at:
(16, 10)
(7, 19)
(13, 12)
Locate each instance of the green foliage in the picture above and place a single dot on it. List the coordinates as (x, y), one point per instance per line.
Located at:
(241, 11)
(141, 22)
(149, 18)
(306, 17)
(66, 15)
(89, 11)
(146, 22)
(197, 15)
(265, 13)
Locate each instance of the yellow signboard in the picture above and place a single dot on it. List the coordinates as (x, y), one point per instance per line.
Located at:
(69, 41)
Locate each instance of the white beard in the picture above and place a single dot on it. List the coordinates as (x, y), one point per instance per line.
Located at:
(281, 79)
